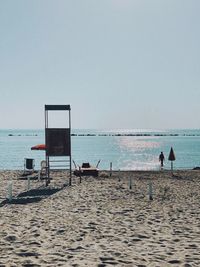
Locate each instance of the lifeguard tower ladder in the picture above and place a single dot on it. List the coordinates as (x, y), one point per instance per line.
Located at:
(58, 143)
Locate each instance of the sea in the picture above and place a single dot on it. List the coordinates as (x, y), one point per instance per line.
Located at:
(130, 149)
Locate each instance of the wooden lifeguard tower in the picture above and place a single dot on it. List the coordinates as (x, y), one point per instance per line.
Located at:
(58, 143)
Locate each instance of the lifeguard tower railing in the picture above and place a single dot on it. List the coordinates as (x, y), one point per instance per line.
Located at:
(58, 143)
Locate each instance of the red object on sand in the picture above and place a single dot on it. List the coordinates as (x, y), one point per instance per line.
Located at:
(39, 147)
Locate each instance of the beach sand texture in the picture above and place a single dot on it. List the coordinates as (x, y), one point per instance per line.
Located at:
(102, 222)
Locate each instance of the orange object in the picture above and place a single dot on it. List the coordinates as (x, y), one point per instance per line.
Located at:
(39, 147)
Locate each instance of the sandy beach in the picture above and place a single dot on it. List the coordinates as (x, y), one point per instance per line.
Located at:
(101, 221)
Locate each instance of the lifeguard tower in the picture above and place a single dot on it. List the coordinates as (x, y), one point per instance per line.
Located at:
(58, 143)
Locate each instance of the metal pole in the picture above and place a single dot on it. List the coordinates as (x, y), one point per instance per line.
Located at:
(70, 178)
(130, 183)
(80, 174)
(172, 167)
(110, 168)
(47, 157)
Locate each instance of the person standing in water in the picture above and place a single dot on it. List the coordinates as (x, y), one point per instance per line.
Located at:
(161, 158)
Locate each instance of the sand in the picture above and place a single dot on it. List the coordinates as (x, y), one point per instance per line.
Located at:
(101, 221)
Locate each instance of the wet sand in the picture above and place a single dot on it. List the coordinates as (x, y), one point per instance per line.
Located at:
(101, 221)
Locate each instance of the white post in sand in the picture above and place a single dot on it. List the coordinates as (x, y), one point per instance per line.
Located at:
(119, 175)
(29, 183)
(150, 191)
(39, 176)
(10, 185)
(130, 183)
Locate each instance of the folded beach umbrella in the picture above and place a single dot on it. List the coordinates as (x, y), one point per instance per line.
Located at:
(171, 158)
(171, 155)
(39, 147)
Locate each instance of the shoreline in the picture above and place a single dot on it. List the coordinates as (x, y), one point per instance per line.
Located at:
(102, 170)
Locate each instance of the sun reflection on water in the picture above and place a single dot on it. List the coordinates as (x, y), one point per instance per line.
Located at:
(127, 143)
(138, 153)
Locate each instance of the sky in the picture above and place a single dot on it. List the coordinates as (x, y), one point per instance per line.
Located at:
(120, 64)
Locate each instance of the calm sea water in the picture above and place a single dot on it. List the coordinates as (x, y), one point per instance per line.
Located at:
(127, 149)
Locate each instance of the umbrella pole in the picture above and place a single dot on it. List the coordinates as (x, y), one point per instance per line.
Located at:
(172, 167)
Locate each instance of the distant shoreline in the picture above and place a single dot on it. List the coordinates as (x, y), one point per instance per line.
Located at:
(118, 135)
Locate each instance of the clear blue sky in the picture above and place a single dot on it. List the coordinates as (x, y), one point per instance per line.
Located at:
(118, 63)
